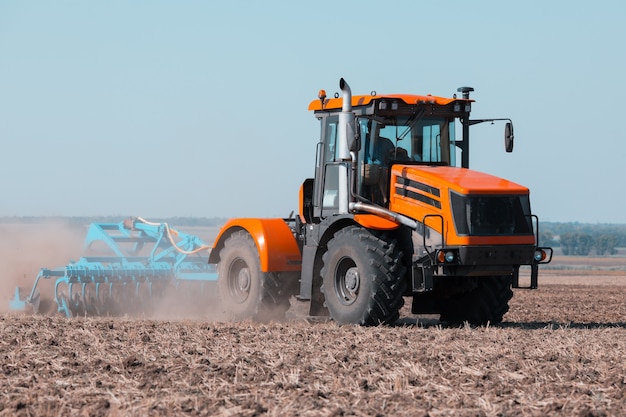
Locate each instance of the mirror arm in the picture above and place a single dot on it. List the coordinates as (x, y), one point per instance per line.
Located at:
(477, 121)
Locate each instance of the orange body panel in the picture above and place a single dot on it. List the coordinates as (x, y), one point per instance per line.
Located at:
(462, 180)
(372, 221)
(336, 103)
(277, 247)
(439, 181)
(301, 204)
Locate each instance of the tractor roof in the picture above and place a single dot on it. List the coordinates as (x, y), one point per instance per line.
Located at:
(336, 103)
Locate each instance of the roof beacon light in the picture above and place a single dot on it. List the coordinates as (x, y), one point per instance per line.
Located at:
(322, 96)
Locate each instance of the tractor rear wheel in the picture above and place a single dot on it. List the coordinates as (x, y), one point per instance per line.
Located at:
(486, 303)
(362, 277)
(246, 292)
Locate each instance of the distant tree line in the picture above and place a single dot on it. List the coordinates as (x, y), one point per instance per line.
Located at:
(583, 239)
(582, 244)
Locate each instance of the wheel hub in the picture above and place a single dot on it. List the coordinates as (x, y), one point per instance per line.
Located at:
(243, 280)
(352, 280)
(347, 285)
(239, 282)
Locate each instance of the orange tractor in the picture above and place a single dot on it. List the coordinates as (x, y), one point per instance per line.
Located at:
(388, 216)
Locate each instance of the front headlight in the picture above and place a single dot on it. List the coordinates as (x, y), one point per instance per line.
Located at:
(446, 256)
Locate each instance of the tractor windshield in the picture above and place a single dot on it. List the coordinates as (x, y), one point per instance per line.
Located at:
(400, 139)
(427, 139)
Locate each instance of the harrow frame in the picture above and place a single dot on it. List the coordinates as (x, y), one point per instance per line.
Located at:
(124, 262)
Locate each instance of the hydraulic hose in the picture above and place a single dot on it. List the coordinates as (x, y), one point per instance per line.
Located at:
(171, 239)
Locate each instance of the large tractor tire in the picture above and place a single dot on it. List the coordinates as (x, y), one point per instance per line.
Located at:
(362, 278)
(245, 291)
(486, 303)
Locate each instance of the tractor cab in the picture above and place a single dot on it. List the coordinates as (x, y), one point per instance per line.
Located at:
(383, 131)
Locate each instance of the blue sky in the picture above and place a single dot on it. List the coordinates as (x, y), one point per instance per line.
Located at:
(199, 108)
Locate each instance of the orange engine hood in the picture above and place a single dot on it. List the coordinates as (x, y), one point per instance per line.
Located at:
(424, 194)
(461, 180)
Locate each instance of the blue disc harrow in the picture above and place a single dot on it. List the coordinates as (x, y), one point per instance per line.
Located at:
(125, 266)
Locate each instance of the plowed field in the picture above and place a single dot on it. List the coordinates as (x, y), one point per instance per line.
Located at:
(560, 351)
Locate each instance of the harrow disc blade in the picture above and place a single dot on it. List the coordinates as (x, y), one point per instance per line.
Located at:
(35, 301)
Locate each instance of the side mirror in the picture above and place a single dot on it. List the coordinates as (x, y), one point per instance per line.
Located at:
(354, 139)
(508, 137)
(354, 145)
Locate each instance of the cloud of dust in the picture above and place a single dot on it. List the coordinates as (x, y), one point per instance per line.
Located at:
(191, 300)
(25, 248)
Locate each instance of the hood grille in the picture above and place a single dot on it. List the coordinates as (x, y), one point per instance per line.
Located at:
(418, 191)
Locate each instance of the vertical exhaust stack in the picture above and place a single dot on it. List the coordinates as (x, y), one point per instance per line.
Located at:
(345, 136)
(347, 96)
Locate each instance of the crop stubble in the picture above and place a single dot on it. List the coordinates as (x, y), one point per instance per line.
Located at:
(560, 350)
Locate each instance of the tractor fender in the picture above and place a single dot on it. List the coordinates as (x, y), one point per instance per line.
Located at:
(275, 242)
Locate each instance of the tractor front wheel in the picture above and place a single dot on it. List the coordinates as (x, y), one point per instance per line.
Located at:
(362, 277)
(486, 303)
